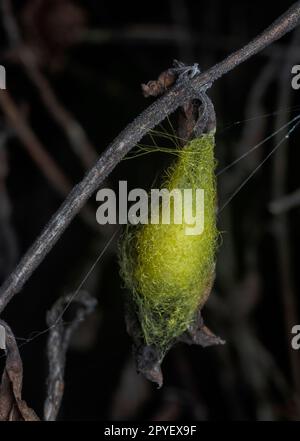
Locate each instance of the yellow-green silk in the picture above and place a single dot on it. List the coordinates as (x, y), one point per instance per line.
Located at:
(167, 271)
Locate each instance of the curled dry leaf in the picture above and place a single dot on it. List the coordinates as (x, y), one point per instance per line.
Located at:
(149, 359)
(12, 407)
(158, 87)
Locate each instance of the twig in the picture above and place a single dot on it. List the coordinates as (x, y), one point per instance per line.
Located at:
(58, 343)
(33, 145)
(285, 203)
(8, 240)
(73, 130)
(39, 154)
(164, 35)
(127, 139)
(76, 135)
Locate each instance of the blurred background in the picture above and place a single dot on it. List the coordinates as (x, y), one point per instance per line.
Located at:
(74, 70)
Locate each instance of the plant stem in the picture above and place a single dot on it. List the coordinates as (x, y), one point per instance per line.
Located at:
(182, 92)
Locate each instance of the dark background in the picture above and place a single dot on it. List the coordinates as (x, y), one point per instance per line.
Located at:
(94, 56)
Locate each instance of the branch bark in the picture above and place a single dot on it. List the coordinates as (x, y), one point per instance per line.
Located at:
(58, 342)
(181, 93)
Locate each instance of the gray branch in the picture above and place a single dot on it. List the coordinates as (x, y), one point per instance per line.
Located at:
(182, 92)
(58, 342)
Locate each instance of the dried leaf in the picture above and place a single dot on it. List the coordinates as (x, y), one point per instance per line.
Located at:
(155, 88)
(12, 407)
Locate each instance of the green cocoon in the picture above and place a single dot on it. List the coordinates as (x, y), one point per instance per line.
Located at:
(169, 273)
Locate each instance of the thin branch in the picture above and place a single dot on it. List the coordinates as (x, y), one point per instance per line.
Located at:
(39, 154)
(76, 135)
(127, 139)
(58, 343)
(8, 240)
(33, 146)
(164, 35)
(285, 203)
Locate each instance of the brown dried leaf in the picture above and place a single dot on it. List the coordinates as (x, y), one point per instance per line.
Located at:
(12, 407)
(148, 358)
(155, 88)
